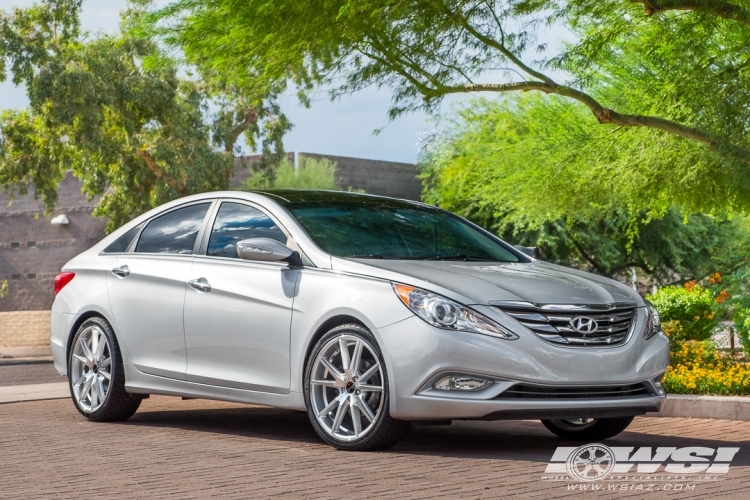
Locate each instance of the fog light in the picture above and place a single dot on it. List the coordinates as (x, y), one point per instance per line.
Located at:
(461, 383)
(657, 383)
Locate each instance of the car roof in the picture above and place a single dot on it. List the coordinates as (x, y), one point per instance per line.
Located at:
(289, 197)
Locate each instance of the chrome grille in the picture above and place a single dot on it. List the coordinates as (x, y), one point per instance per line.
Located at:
(531, 391)
(553, 323)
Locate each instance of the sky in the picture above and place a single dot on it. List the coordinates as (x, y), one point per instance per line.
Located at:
(342, 128)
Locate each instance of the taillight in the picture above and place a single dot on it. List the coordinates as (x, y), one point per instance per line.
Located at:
(63, 279)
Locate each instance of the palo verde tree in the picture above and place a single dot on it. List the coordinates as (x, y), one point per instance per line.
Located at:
(675, 71)
(115, 110)
(476, 167)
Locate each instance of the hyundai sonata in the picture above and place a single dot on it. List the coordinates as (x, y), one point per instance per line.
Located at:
(367, 312)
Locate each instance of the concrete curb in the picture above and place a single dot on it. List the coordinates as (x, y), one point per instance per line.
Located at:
(25, 352)
(25, 355)
(26, 361)
(35, 392)
(713, 407)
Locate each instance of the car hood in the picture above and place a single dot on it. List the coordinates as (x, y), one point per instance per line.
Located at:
(535, 282)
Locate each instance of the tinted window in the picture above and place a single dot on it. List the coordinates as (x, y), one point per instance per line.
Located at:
(174, 232)
(236, 222)
(122, 243)
(384, 230)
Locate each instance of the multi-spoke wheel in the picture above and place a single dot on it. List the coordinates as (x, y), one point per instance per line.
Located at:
(95, 374)
(92, 358)
(346, 391)
(588, 429)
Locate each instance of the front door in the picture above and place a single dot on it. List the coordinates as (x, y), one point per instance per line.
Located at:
(146, 291)
(238, 313)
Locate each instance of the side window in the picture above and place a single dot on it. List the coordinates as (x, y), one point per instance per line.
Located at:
(236, 222)
(174, 232)
(122, 243)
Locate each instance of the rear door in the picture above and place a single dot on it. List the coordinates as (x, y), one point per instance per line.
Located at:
(146, 288)
(238, 313)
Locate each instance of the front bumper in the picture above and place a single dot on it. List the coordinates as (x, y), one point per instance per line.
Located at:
(416, 353)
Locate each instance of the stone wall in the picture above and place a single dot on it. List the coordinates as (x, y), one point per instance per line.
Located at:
(24, 328)
(384, 178)
(32, 250)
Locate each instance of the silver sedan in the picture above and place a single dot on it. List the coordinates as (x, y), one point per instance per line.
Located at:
(367, 312)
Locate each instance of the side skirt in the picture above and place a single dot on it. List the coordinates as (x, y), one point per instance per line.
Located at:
(137, 382)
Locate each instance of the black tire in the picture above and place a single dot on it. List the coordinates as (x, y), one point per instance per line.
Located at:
(386, 430)
(118, 404)
(600, 429)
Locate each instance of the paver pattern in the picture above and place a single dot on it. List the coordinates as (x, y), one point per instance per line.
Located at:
(200, 449)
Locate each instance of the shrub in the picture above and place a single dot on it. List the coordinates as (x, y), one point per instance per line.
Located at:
(742, 326)
(697, 368)
(4, 290)
(688, 313)
(312, 174)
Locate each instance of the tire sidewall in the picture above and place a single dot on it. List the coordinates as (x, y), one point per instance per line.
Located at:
(604, 428)
(365, 335)
(115, 365)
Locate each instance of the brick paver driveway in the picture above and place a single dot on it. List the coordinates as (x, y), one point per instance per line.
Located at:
(199, 449)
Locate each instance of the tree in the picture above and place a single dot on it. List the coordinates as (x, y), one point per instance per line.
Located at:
(492, 168)
(115, 110)
(677, 69)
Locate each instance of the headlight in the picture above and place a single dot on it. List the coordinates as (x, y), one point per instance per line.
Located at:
(444, 313)
(653, 322)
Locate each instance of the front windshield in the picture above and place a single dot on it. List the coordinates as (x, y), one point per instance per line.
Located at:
(388, 230)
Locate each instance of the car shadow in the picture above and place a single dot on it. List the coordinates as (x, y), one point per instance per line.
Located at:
(504, 440)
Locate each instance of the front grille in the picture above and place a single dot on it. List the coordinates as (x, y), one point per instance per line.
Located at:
(554, 325)
(531, 391)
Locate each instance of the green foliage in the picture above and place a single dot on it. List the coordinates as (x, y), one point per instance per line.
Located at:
(688, 312)
(741, 320)
(115, 111)
(312, 174)
(4, 290)
(675, 83)
(548, 184)
(734, 290)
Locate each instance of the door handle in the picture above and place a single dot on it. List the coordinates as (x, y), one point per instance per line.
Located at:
(121, 271)
(200, 285)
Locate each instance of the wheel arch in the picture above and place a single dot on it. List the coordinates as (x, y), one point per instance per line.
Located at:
(323, 328)
(81, 319)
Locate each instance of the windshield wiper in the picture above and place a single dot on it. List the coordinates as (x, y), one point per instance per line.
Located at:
(461, 256)
(366, 256)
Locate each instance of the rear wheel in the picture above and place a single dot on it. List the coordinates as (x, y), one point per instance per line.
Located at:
(588, 429)
(346, 392)
(96, 376)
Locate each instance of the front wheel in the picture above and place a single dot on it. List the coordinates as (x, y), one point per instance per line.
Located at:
(96, 376)
(588, 429)
(346, 392)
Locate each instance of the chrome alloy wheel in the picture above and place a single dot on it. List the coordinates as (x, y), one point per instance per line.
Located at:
(91, 370)
(346, 387)
(574, 425)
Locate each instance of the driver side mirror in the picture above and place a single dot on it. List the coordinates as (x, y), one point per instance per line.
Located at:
(530, 251)
(267, 250)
